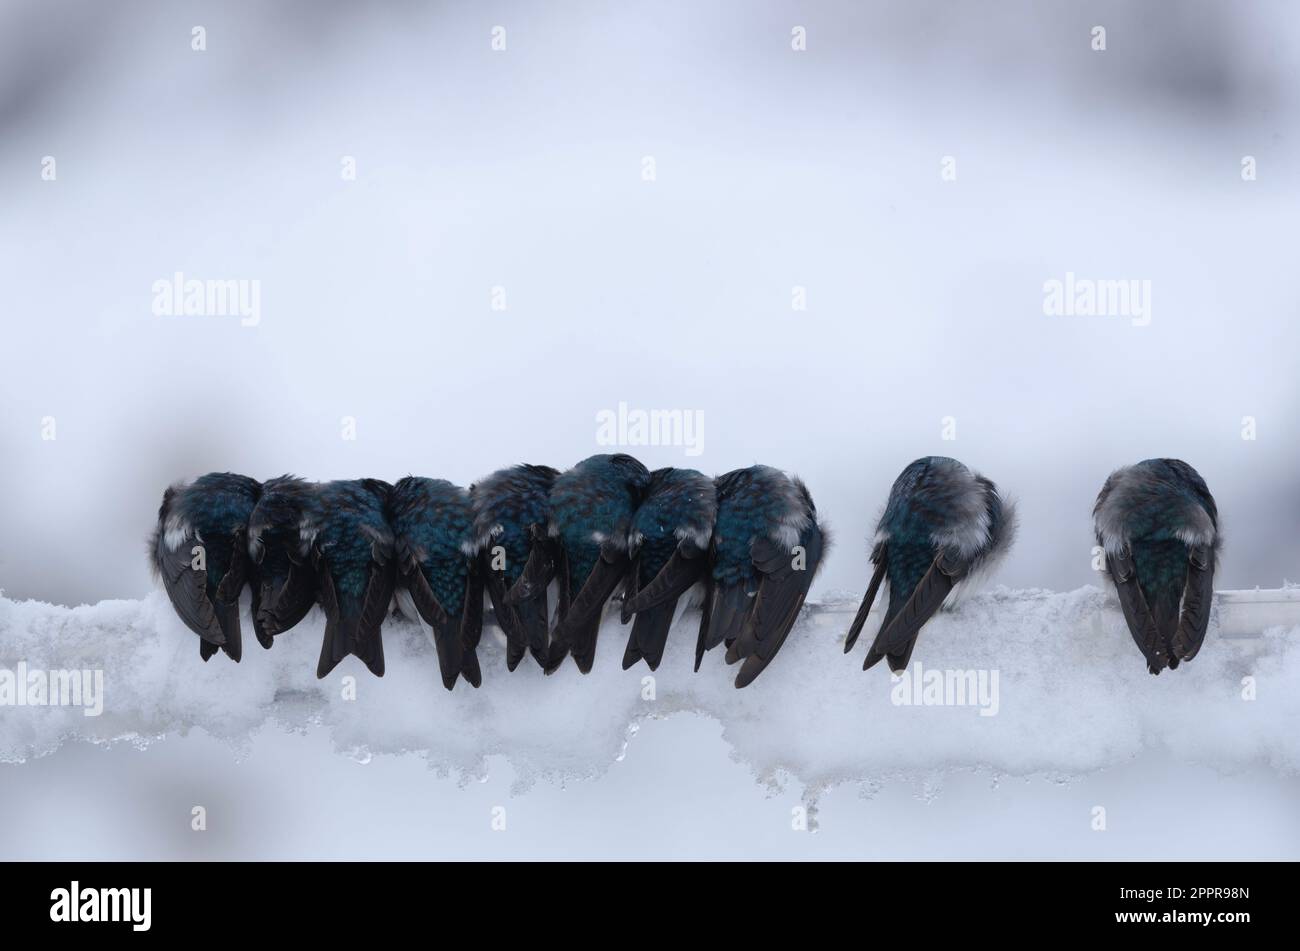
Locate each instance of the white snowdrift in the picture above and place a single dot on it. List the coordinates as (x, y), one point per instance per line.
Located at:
(1073, 695)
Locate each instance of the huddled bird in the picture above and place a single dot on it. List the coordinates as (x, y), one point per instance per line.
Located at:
(511, 516)
(352, 545)
(767, 546)
(669, 547)
(277, 544)
(1159, 527)
(943, 525)
(750, 540)
(592, 506)
(438, 569)
(199, 550)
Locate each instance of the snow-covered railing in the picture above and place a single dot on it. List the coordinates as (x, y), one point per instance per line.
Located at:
(1025, 682)
(1242, 613)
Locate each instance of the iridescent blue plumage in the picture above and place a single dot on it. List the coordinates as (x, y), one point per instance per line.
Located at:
(942, 525)
(432, 523)
(198, 550)
(592, 506)
(671, 532)
(1159, 527)
(512, 511)
(767, 548)
(354, 546)
(276, 545)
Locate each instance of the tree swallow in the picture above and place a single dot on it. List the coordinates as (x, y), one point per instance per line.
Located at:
(767, 547)
(1159, 527)
(198, 549)
(438, 569)
(943, 525)
(669, 547)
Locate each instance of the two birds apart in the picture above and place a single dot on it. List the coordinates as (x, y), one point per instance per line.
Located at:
(945, 527)
(745, 545)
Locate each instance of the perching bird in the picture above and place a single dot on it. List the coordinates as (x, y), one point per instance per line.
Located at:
(669, 547)
(943, 525)
(1159, 527)
(198, 550)
(591, 517)
(277, 545)
(767, 547)
(353, 548)
(511, 514)
(438, 569)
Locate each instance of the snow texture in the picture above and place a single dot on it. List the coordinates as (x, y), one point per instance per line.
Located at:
(1074, 695)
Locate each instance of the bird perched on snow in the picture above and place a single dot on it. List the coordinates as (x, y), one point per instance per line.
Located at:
(767, 547)
(1159, 527)
(438, 569)
(199, 551)
(591, 517)
(669, 547)
(943, 525)
(511, 516)
(286, 586)
(356, 573)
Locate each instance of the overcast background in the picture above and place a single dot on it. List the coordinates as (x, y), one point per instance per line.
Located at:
(522, 169)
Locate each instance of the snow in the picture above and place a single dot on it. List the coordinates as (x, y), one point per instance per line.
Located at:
(1073, 697)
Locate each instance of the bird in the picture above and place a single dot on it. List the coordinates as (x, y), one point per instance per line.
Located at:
(669, 547)
(352, 550)
(437, 568)
(198, 550)
(943, 525)
(511, 515)
(277, 545)
(1159, 528)
(592, 506)
(767, 547)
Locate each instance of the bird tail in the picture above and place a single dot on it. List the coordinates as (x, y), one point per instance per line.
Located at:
(340, 633)
(908, 613)
(578, 638)
(649, 635)
(227, 613)
(532, 616)
(865, 608)
(731, 609)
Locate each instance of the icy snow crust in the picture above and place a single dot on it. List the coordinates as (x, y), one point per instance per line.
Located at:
(1074, 695)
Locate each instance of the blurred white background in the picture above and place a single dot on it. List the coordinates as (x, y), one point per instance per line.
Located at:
(522, 169)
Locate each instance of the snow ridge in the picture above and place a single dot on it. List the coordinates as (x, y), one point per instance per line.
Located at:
(1073, 695)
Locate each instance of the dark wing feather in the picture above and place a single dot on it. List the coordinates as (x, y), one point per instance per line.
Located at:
(1141, 624)
(897, 638)
(1198, 597)
(378, 597)
(781, 594)
(471, 627)
(507, 615)
(578, 630)
(279, 610)
(674, 579)
(188, 591)
(868, 599)
(538, 571)
(706, 621)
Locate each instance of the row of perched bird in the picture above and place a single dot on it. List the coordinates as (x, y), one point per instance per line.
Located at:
(746, 544)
